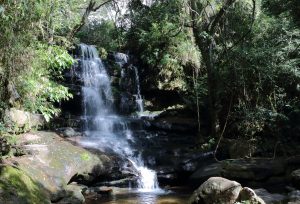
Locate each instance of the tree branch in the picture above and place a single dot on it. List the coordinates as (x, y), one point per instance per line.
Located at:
(213, 25)
(102, 4)
(90, 8)
(243, 36)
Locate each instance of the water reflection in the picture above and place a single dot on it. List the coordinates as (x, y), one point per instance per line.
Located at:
(127, 196)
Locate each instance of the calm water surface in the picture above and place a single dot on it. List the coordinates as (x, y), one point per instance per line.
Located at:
(129, 196)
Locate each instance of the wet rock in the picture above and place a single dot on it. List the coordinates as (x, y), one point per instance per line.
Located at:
(95, 193)
(126, 182)
(115, 81)
(168, 175)
(295, 178)
(170, 178)
(16, 187)
(69, 132)
(216, 190)
(102, 190)
(270, 198)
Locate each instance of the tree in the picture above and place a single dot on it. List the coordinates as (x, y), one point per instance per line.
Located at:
(205, 33)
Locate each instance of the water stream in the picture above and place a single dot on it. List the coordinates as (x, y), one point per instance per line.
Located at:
(123, 60)
(139, 99)
(105, 130)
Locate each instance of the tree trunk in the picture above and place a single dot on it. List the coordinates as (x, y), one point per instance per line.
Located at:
(205, 30)
(207, 51)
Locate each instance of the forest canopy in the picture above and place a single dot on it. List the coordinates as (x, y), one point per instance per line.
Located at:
(234, 60)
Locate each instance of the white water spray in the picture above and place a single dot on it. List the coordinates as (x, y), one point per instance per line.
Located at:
(139, 99)
(123, 59)
(104, 129)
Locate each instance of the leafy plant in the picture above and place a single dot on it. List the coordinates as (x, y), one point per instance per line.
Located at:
(39, 88)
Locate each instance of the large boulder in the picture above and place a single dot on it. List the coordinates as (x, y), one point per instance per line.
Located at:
(16, 187)
(216, 190)
(53, 162)
(23, 119)
(249, 195)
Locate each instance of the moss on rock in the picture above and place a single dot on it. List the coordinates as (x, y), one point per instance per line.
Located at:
(17, 187)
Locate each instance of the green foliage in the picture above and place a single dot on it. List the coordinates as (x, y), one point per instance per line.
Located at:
(164, 46)
(266, 73)
(37, 87)
(30, 59)
(103, 34)
(208, 145)
(18, 186)
(254, 55)
(85, 156)
(56, 58)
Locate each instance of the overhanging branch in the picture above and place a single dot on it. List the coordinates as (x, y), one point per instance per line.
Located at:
(92, 7)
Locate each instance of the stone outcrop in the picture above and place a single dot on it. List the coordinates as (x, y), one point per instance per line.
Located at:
(53, 163)
(252, 169)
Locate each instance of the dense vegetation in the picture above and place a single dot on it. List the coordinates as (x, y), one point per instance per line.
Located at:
(234, 60)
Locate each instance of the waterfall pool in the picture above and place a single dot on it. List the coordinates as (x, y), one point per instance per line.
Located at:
(134, 196)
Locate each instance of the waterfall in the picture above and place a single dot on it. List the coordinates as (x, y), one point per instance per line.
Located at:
(104, 129)
(123, 59)
(139, 99)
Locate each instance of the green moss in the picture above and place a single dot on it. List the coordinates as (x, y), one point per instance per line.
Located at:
(17, 187)
(85, 156)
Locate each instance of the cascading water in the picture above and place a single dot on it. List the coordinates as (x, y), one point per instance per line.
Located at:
(122, 59)
(139, 99)
(104, 129)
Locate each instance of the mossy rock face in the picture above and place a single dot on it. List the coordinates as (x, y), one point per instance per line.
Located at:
(18, 188)
(53, 162)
